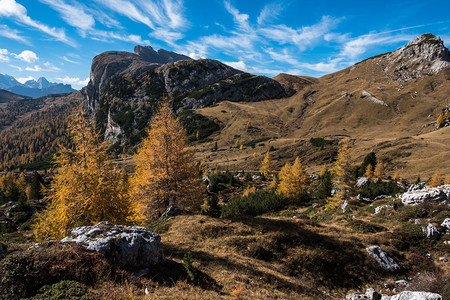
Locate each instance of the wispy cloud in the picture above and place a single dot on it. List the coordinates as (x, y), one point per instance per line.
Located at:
(70, 61)
(36, 68)
(13, 34)
(74, 15)
(127, 9)
(106, 36)
(12, 9)
(240, 19)
(20, 69)
(4, 55)
(271, 12)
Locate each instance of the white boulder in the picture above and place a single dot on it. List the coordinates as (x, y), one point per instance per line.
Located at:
(383, 259)
(426, 194)
(410, 295)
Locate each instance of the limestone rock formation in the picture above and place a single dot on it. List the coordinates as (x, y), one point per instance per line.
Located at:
(426, 194)
(132, 247)
(385, 261)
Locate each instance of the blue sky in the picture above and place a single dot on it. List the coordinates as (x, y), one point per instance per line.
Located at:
(58, 38)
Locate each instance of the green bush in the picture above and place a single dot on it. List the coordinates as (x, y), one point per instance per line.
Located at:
(253, 205)
(412, 212)
(366, 227)
(224, 178)
(211, 207)
(190, 269)
(320, 142)
(374, 189)
(194, 123)
(66, 289)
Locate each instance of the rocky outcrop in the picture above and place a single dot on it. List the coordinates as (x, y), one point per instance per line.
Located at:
(426, 194)
(124, 88)
(426, 54)
(432, 232)
(132, 247)
(383, 259)
(159, 57)
(446, 224)
(410, 295)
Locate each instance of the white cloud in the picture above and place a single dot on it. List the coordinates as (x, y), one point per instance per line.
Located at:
(4, 55)
(74, 15)
(270, 12)
(358, 46)
(13, 34)
(36, 68)
(10, 8)
(240, 19)
(50, 67)
(20, 69)
(240, 65)
(166, 35)
(25, 79)
(106, 36)
(303, 37)
(128, 9)
(75, 81)
(70, 61)
(27, 56)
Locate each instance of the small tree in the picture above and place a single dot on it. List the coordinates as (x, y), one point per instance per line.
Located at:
(266, 165)
(293, 181)
(379, 170)
(436, 180)
(86, 189)
(342, 175)
(396, 176)
(369, 171)
(165, 171)
(325, 186)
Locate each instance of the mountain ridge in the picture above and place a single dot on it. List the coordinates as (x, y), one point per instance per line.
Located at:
(33, 88)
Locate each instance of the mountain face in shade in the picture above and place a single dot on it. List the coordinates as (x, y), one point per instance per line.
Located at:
(7, 81)
(33, 88)
(6, 96)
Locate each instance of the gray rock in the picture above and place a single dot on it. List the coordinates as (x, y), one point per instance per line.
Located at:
(443, 259)
(425, 195)
(172, 211)
(210, 188)
(344, 205)
(432, 232)
(362, 181)
(402, 283)
(370, 294)
(410, 295)
(132, 247)
(378, 209)
(383, 259)
(446, 224)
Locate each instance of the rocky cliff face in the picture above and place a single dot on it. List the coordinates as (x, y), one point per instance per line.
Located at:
(423, 56)
(125, 88)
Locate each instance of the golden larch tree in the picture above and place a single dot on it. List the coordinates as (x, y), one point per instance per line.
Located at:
(379, 170)
(342, 175)
(369, 171)
(293, 180)
(323, 171)
(396, 176)
(165, 171)
(436, 180)
(266, 164)
(86, 189)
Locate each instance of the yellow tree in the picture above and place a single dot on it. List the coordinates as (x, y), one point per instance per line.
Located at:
(293, 181)
(369, 171)
(86, 189)
(342, 175)
(396, 176)
(379, 170)
(323, 171)
(266, 165)
(436, 180)
(165, 171)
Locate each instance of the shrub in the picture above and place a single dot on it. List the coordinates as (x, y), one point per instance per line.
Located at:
(224, 178)
(65, 289)
(190, 269)
(320, 142)
(253, 205)
(211, 207)
(412, 212)
(374, 189)
(366, 227)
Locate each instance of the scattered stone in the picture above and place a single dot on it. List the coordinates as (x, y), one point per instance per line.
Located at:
(402, 283)
(447, 243)
(172, 211)
(132, 247)
(432, 232)
(428, 255)
(239, 175)
(362, 181)
(210, 188)
(205, 178)
(415, 197)
(446, 224)
(417, 221)
(410, 295)
(378, 209)
(344, 205)
(382, 197)
(385, 261)
(443, 259)
(370, 294)
(256, 177)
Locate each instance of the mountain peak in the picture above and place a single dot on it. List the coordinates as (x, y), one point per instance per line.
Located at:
(426, 54)
(160, 57)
